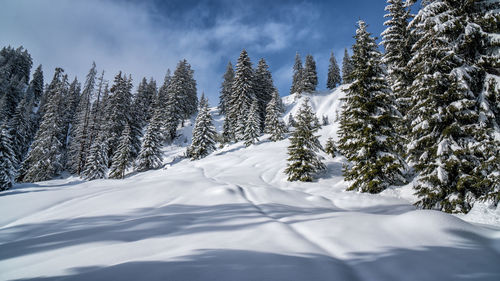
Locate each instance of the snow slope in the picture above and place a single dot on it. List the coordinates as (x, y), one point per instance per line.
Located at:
(233, 216)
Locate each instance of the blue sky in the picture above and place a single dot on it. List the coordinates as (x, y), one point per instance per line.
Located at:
(144, 38)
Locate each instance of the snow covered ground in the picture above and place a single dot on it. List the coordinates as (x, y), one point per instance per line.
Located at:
(233, 216)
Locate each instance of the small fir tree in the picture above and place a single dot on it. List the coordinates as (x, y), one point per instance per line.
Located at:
(330, 147)
(309, 75)
(303, 161)
(121, 158)
(150, 156)
(333, 73)
(204, 134)
(252, 128)
(274, 125)
(346, 68)
(297, 76)
(225, 88)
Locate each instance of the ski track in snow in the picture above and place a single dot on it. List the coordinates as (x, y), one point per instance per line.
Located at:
(233, 216)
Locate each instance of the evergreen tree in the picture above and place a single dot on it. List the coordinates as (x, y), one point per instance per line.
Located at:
(204, 134)
(330, 147)
(150, 155)
(346, 68)
(121, 158)
(449, 142)
(96, 164)
(225, 88)
(367, 134)
(297, 76)
(21, 128)
(44, 159)
(252, 127)
(264, 89)
(7, 159)
(119, 112)
(333, 73)
(274, 126)
(291, 120)
(303, 161)
(15, 66)
(182, 100)
(309, 75)
(143, 101)
(80, 134)
(242, 95)
(397, 43)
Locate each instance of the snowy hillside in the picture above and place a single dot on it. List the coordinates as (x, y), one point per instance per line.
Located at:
(233, 216)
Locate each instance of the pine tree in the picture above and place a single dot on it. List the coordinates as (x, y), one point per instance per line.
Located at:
(150, 156)
(97, 160)
(333, 73)
(397, 43)
(264, 89)
(144, 98)
(225, 88)
(122, 158)
(15, 66)
(119, 112)
(309, 75)
(96, 165)
(297, 76)
(450, 142)
(80, 134)
(347, 68)
(273, 125)
(182, 100)
(367, 134)
(7, 159)
(330, 147)
(252, 127)
(291, 120)
(303, 161)
(44, 159)
(242, 95)
(21, 128)
(204, 134)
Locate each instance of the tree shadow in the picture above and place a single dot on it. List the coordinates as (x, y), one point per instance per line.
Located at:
(171, 220)
(220, 265)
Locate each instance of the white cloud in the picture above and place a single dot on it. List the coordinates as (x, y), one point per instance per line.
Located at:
(136, 38)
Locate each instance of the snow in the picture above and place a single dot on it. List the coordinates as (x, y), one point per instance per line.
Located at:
(233, 216)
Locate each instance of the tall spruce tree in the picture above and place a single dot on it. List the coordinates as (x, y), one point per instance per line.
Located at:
(7, 159)
(142, 102)
(297, 75)
(242, 95)
(264, 89)
(252, 127)
(309, 75)
(274, 125)
(303, 162)
(182, 101)
(122, 156)
(97, 160)
(44, 159)
(204, 133)
(367, 134)
(346, 68)
(225, 88)
(15, 66)
(80, 134)
(397, 42)
(446, 146)
(334, 78)
(119, 111)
